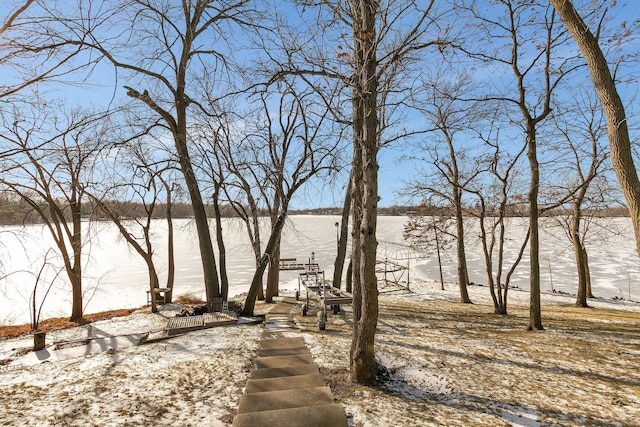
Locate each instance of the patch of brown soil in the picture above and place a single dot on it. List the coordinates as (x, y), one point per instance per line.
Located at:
(339, 382)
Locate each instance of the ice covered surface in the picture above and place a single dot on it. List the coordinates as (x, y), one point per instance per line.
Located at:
(116, 277)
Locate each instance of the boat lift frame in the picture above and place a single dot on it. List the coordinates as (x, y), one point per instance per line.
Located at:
(313, 280)
(328, 296)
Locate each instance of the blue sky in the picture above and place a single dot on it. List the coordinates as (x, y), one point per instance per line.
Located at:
(100, 88)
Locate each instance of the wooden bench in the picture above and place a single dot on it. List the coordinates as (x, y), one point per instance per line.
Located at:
(293, 264)
(288, 264)
(161, 295)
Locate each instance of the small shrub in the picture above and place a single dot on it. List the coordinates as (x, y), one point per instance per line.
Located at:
(189, 299)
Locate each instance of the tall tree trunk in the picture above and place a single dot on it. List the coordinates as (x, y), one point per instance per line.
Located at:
(261, 294)
(181, 101)
(154, 282)
(587, 273)
(487, 249)
(581, 299)
(456, 198)
(535, 310)
(76, 270)
(256, 282)
(435, 232)
(356, 220)
(363, 364)
(342, 241)
(617, 129)
(503, 289)
(349, 279)
(222, 250)
(273, 275)
(171, 262)
(578, 249)
(463, 272)
(205, 244)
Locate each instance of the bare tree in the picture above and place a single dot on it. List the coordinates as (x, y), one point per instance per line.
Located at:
(431, 227)
(170, 188)
(161, 51)
(496, 199)
(381, 54)
(42, 275)
(532, 38)
(213, 141)
(295, 143)
(343, 236)
(364, 181)
(605, 86)
(140, 180)
(582, 131)
(449, 117)
(46, 160)
(242, 191)
(383, 43)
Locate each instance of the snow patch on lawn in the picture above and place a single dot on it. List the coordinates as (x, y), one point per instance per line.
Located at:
(444, 363)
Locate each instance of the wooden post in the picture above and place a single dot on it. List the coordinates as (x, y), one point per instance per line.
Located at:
(39, 340)
(216, 304)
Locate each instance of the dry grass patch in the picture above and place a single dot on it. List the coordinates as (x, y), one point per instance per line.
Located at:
(447, 363)
(189, 299)
(57, 323)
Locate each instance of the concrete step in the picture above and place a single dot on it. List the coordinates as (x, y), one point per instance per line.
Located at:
(279, 333)
(288, 371)
(282, 309)
(255, 385)
(280, 323)
(277, 316)
(282, 351)
(281, 343)
(284, 399)
(281, 327)
(310, 416)
(286, 388)
(284, 361)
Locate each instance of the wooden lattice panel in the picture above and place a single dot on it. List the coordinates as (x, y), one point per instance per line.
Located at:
(178, 325)
(220, 318)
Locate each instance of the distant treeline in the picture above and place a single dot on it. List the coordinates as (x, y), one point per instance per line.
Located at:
(14, 211)
(447, 211)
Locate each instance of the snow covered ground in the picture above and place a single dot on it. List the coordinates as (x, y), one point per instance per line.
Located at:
(445, 363)
(194, 379)
(115, 276)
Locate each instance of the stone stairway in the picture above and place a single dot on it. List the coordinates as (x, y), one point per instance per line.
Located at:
(286, 388)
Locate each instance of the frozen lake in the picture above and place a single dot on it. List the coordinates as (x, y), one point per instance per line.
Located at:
(116, 277)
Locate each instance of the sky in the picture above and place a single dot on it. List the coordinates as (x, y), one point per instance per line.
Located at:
(101, 88)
